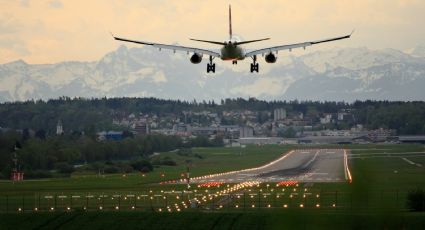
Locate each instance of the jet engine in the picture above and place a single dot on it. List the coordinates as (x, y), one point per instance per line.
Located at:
(270, 58)
(196, 58)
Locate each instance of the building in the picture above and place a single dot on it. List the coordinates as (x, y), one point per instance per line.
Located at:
(223, 130)
(59, 128)
(326, 140)
(260, 140)
(412, 139)
(326, 119)
(110, 136)
(141, 128)
(246, 131)
(341, 116)
(380, 135)
(182, 129)
(279, 114)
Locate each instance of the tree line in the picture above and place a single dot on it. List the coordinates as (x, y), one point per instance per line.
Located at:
(37, 157)
(92, 115)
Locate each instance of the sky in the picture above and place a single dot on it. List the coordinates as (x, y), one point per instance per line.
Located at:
(51, 31)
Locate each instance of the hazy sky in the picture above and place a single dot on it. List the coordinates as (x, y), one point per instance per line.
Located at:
(49, 31)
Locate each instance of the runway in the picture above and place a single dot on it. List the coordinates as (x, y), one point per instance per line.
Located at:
(315, 165)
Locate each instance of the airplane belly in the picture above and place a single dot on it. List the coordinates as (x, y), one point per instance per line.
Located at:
(232, 53)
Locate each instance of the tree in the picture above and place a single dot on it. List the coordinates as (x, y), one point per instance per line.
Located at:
(64, 167)
(41, 134)
(142, 166)
(416, 200)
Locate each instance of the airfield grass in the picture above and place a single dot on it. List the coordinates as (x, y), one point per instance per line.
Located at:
(214, 160)
(375, 199)
(300, 219)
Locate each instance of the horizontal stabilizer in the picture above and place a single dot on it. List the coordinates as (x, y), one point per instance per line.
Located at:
(212, 42)
(250, 41)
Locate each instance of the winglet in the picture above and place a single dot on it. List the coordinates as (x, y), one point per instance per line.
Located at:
(352, 32)
(112, 35)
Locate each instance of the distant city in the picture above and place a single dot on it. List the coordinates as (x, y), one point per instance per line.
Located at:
(279, 127)
(235, 121)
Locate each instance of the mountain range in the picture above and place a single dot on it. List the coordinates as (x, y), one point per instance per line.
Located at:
(340, 74)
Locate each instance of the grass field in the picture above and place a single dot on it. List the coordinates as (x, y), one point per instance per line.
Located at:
(375, 199)
(214, 160)
(299, 219)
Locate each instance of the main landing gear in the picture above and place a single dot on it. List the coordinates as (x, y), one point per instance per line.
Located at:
(211, 66)
(234, 62)
(254, 65)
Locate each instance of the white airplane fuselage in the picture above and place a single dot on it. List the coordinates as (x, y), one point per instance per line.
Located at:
(232, 52)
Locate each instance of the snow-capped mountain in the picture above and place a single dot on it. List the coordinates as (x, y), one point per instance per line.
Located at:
(338, 74)
(418, 51)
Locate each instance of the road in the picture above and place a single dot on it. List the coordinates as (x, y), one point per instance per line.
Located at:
(316, 165)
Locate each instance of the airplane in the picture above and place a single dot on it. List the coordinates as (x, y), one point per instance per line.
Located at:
(231, 49)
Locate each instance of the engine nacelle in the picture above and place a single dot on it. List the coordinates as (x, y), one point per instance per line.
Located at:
(270, 58)
(196, 58)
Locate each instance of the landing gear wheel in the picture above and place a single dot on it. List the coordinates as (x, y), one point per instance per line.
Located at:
(234, 62)
(211, 66)
(254, 65)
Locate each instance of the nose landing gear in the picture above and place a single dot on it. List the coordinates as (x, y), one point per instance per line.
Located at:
(211, 66)
(234, 62)
(254, 65)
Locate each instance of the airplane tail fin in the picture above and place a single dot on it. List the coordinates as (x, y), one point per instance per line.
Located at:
(230, 22)
(230, 34)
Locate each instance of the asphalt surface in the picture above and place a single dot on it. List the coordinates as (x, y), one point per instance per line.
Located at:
(317, 165)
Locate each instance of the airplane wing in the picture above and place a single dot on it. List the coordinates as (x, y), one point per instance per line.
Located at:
(293, 46)
(171, 47)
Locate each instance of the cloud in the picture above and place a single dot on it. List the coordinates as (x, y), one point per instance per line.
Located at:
(9, 25)
(24, 3)
(16, 45)
(56, 4)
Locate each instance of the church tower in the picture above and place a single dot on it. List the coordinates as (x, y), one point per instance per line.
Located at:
(59, 128)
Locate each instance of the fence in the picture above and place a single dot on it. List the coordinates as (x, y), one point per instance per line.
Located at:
(282, 198)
